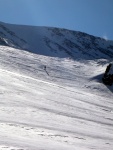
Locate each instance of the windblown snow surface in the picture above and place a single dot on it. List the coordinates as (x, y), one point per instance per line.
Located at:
(64, 106)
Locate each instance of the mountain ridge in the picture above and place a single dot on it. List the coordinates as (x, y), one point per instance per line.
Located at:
(55, 42)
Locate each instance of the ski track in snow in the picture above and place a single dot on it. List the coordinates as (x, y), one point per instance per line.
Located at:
(62, 111)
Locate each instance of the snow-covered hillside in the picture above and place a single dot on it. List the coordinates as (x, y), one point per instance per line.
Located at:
(55, 42)
(63, 106)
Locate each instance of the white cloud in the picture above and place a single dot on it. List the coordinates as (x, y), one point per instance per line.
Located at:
(105, 37)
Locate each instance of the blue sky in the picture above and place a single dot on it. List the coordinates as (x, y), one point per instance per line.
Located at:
(94, 17)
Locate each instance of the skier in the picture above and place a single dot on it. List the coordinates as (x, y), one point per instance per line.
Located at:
(46, 70)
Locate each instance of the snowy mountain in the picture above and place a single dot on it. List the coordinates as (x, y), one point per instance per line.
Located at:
(51, 93)
(55, 42)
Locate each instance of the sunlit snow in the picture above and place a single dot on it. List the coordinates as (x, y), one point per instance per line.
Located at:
(64, 106)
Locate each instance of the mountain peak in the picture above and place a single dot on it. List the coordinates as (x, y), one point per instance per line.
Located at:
(55, 42)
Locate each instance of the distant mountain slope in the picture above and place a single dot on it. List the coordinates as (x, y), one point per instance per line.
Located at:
(55, 42)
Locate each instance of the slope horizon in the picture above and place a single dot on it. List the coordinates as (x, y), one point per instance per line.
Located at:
(55, 42)
(55, 27)
(92, 17)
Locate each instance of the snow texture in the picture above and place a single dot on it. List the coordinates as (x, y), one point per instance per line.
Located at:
(51, 99)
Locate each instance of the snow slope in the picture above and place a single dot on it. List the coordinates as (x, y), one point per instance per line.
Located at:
(56, 42)
(65, 107)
